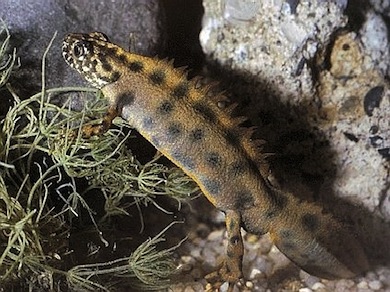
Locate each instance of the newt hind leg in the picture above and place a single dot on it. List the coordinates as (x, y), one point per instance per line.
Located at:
(231, 269)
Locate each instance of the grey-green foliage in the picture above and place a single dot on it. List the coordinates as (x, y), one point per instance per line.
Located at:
(8, 60)
(42, 153)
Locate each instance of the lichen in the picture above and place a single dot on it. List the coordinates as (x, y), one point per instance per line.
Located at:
(47, 168)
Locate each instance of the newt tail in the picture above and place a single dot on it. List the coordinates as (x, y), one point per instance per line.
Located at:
(180, 119)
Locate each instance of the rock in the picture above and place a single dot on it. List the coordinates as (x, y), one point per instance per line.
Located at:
(318, 92)
(33, 23)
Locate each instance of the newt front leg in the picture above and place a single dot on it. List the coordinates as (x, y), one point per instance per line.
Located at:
(94, 130)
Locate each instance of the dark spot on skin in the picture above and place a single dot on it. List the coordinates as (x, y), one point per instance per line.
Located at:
(181, 89)
(94, 63)
(184, 160)
(230, 254)
(174, 131)
(232, 225)
(373, 99)
(148, 123)
(136, 66)
(234, 239)
(206, 112)
(310, 222)
(157, 77)
(270, 214)
(102, 58)
(213, 159)
(115, 76)
(232, 138)
(238, 168)
(123, 100)
(212, 186)
(196, 135)
(111, 51)
(244, 201)
(106, 79)
(165, 107)
(122, 58)
(106, 66)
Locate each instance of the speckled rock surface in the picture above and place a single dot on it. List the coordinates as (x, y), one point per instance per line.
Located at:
(312, 75)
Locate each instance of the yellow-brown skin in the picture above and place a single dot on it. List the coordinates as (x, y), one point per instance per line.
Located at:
(184, 124)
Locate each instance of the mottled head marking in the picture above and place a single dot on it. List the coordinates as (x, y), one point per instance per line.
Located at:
(92, 56)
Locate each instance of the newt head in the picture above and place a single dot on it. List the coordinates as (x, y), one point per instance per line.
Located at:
(92, 55)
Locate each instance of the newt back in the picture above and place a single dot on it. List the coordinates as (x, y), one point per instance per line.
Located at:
(184, 123)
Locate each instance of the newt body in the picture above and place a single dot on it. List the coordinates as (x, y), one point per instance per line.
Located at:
(180, 119)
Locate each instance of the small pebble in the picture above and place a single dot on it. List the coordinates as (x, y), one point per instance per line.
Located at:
(344, 285)
(224, 287)
(318, 286)
(219, 217)
(375, 285)
(362, 285)
(187, 259)
(254, 273)
(305, 290)
(208, 255)
(195, 253)
(384, 276)
(215, 235)
(249, 284)
(308, 279)
(184, 268)
(251, 255)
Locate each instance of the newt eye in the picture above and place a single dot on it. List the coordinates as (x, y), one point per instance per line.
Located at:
(79, 49)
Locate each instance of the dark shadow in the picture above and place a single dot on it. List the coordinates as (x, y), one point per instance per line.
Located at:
(183, 24)
(302, 161)
(356, 11)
